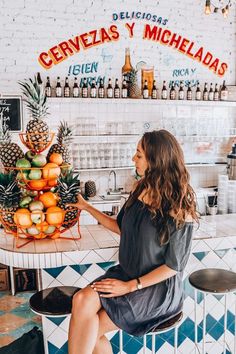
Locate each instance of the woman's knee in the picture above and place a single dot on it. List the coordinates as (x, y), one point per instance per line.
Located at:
(86, 300)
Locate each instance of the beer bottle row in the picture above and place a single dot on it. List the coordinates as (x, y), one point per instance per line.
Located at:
(212, 94)
(115, 90)
(86, 90)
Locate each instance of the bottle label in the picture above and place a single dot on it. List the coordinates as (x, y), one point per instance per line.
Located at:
(109, 93)
(198, 95)
(58, 91)
(93, 92)
(172, 95)
(224, 95)
(211, 96)
(101, 92)
(189, 96)
(117, 93)
(84, 92)
(145, 93)
(181, 95)
(164, 94)
(67, 92)
(216, 96)
(124, 93)
(154, 94)
(205, 96)
(75, 92)
(48, 91)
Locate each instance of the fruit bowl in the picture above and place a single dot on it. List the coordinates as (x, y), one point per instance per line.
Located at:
(37, 142)
(39, 178)
(38, 224)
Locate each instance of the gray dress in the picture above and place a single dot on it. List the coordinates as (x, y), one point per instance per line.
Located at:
(139, 253)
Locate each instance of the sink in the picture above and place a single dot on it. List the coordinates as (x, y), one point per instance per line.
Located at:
(111, 197)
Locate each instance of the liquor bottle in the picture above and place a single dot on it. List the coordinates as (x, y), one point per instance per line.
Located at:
(109, 89)
(85, 89)
(224, 92)
(145, 90)
(172, 92)
(39, 80)
(189, 93)
(75, 88)
(216, 93)
(101, 90)
(154, 90)
(93, 90)
(127, 68)
(205, 92)
(48, 90)
(124, 90)
(211, 93)
(117, 90)
(164, 91)
(67, 88)
(198, 95)
(58, 88)
(181, 91)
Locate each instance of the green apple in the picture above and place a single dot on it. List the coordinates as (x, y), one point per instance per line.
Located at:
(50, 229)
(39, 160)
(36, 205)
(37, 216)
(29, 155)
(24, 203)
(35, 173)
(23, 164)
(33, 231)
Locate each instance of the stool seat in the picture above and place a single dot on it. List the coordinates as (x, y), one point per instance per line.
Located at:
(56, 301)
(169, 324)
(213, 280)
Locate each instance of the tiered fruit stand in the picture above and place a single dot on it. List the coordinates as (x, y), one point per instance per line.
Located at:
(40, 213)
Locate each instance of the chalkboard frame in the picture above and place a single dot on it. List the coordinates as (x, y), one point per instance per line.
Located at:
(19, 98)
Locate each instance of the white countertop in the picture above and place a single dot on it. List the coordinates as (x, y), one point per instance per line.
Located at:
(97, 237)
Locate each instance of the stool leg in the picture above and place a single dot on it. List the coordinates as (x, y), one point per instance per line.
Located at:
(13, 290)
(195, 321)
(225, 322)
(176, 340)
(144, 343)
(204, 324)
(121, 341)
(235, 326)
(153, 344)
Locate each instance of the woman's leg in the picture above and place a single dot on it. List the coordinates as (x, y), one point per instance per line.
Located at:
(103, 345)
(84, 323)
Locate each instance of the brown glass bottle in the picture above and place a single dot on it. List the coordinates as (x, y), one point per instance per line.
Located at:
(127, 68)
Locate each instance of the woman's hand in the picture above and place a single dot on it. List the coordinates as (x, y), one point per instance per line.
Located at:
(113, 287)
(80, 204)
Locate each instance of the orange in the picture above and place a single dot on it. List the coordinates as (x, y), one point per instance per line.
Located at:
(37, 184)
(55, 235)
(51, 171)
(22, 218)
(42, 226)
(52, 182)
(49, 199)
(55, 216)
(56, 158)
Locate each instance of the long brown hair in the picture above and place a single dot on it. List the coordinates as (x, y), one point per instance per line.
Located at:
(165, 183)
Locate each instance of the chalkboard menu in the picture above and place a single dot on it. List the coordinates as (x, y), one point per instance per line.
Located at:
(11, 107)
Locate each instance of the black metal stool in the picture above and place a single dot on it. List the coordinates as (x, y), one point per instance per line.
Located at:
(52, 302)
(213, 281)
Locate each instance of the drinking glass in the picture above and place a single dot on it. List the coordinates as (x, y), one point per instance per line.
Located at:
(147, 73)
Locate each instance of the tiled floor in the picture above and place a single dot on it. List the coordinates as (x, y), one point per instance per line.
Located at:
(16, 318)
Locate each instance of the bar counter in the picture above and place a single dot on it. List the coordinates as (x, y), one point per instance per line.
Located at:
(77, 262)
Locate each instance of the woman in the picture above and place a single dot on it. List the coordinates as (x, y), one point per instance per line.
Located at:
(155, 226)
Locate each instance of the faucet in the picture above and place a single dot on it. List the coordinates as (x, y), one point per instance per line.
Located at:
(114, 190)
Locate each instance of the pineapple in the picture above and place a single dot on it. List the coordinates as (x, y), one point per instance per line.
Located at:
(37, 131)
(10, 195)
(9, 152)
(134, 89)
(64, 139)
(68, 189)
(90, 189)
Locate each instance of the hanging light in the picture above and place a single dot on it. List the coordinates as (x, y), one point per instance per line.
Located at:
(208, 7)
